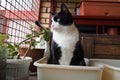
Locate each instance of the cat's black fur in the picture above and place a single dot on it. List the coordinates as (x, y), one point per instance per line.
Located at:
(58, 48)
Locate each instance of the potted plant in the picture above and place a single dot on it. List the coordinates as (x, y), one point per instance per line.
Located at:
(17, 66)
(37, 52)
(3, 56)
(13, 67)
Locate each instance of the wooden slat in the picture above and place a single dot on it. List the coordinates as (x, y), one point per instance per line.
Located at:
(101, 46)
(88, 46)
(107, 41)
(107, 49)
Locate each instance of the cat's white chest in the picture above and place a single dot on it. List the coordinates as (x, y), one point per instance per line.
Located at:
(67, 42)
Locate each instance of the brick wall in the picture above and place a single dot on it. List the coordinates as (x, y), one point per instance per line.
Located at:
(45, 9)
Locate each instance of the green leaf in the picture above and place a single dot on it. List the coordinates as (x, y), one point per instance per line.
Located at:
(28, 35)
(10, 54)
(34, 43)
(31, 27)
(10, 48)
(17, 47)
(1, 43)
(36, 33)
(3, 52)
(7, 36)
(47, 34)
(1, 36)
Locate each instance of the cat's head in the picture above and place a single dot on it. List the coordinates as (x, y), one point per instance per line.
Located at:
(62, 18)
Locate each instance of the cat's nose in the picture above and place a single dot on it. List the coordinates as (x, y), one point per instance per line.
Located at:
(55, 26)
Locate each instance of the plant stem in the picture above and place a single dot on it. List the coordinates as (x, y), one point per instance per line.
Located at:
(27, 49)
(25, 40)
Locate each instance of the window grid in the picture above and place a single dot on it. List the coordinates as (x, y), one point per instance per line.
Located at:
(16, 16)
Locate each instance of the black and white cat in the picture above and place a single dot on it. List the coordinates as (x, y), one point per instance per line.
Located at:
(66, 46)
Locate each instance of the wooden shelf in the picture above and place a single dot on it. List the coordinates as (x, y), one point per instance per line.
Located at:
(98, 21)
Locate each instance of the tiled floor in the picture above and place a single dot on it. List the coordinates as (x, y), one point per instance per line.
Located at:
(33, 78)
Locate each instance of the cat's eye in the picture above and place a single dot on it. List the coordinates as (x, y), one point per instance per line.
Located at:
(58, 19)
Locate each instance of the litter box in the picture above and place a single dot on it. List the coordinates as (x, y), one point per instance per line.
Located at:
(111, 70)
(66, 72)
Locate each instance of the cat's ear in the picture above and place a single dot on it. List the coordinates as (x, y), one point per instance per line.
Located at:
(64, 8)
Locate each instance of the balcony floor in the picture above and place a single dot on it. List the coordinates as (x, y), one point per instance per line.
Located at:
(33, 77)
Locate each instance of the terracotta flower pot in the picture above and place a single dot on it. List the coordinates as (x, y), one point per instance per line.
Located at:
(112, 31)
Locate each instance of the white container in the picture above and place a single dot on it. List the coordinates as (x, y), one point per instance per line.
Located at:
(64, 72)
(111, 70)
(18, 69)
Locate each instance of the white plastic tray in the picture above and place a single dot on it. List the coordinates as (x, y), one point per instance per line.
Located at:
(111, 70)
(64, 72)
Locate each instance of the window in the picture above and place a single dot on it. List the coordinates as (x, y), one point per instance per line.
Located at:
(16, 16)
